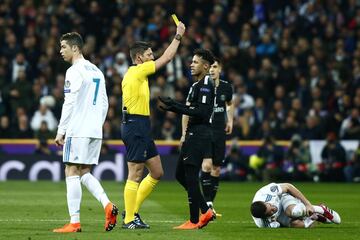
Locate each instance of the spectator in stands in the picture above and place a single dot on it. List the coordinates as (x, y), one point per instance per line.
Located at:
(5, 130)
(18, 92)
(43, 132)
(43, 114)
(42, 147)
(298, 160)
(121, 64)
(235, 167)
(333, 157)
(273, 157)
(350, 127)
(23, 129)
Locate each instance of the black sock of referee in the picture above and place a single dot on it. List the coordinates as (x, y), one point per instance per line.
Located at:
(215, 187)
(206, 185)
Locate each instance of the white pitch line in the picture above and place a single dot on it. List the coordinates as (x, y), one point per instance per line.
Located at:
(97, 220)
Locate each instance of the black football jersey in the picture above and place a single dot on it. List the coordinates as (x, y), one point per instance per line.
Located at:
(202, 93)
(223, 94)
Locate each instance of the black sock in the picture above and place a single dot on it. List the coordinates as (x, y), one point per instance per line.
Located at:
(215, 187)
(206, 185)
(180, 173)
(193, 189)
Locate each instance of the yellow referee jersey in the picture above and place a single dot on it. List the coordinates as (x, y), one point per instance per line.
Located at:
(135, 88)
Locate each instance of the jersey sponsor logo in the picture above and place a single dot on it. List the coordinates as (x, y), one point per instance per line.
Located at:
(219, 109)
(268, 198)
(67, 90)
(204, 90)
(274, 189)
(67, 84)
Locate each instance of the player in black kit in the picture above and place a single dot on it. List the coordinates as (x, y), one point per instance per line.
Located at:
(222, 124)
(199, 109)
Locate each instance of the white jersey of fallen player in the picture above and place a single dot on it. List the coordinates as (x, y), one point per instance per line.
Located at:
(86, 102)
(270, 193)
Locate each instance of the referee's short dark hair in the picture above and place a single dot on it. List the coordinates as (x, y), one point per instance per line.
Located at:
(138, 48)
(205, 55)
(258, 209)
(73, 39)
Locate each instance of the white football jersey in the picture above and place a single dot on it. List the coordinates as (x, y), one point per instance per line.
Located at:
(86, 102)
(270, 193)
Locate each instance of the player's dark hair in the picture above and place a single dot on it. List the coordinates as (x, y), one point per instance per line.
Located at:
(258, 209)
(216, 59)
(205, 55)
(138, 48)
(73, 39)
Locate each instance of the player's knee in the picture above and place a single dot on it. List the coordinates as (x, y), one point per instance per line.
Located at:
(206, 165)
(72, 170)
(157, 174)
(299, 210)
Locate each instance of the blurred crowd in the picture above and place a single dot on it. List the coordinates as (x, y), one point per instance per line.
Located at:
(294, 64)
(273, 162)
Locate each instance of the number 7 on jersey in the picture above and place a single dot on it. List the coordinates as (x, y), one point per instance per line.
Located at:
(97, 83)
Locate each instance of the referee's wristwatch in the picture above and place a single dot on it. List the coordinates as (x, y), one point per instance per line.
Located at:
(178, 37)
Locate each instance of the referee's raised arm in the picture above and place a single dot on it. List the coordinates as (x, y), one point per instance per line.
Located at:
(171, 49)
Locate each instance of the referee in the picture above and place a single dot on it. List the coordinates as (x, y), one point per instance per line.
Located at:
(140, 147)
(199, 109)
(222, 124)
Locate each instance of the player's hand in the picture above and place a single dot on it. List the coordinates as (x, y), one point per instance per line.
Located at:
(165, 108)
(59, 140)
(167, 101)
(180, 29)
(309, 210)
(228, 128)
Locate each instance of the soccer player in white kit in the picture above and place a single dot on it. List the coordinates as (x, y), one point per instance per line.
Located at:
(283, 205)
(80, 131)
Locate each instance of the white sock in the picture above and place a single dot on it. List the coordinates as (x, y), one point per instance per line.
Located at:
(73, 195)
(308, 222)
(318, 209)
(94, 186)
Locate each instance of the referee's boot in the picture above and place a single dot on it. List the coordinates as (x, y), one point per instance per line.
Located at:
(137, 219)
(132, 225)
(206, 218)
(111, 212)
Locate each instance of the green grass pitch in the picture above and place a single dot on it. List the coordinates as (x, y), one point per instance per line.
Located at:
(30, 211)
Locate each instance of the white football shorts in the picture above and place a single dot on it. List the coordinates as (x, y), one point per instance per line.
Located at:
(80, 150)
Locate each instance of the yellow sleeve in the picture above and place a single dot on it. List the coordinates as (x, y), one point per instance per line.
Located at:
(147, 68)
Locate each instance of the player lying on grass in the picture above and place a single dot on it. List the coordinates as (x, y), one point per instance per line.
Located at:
(283, 205)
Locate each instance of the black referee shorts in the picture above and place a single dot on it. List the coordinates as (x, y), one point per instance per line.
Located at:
(136, 135)
(218, 147)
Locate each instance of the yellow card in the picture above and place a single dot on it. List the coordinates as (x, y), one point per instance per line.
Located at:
(176, 20)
